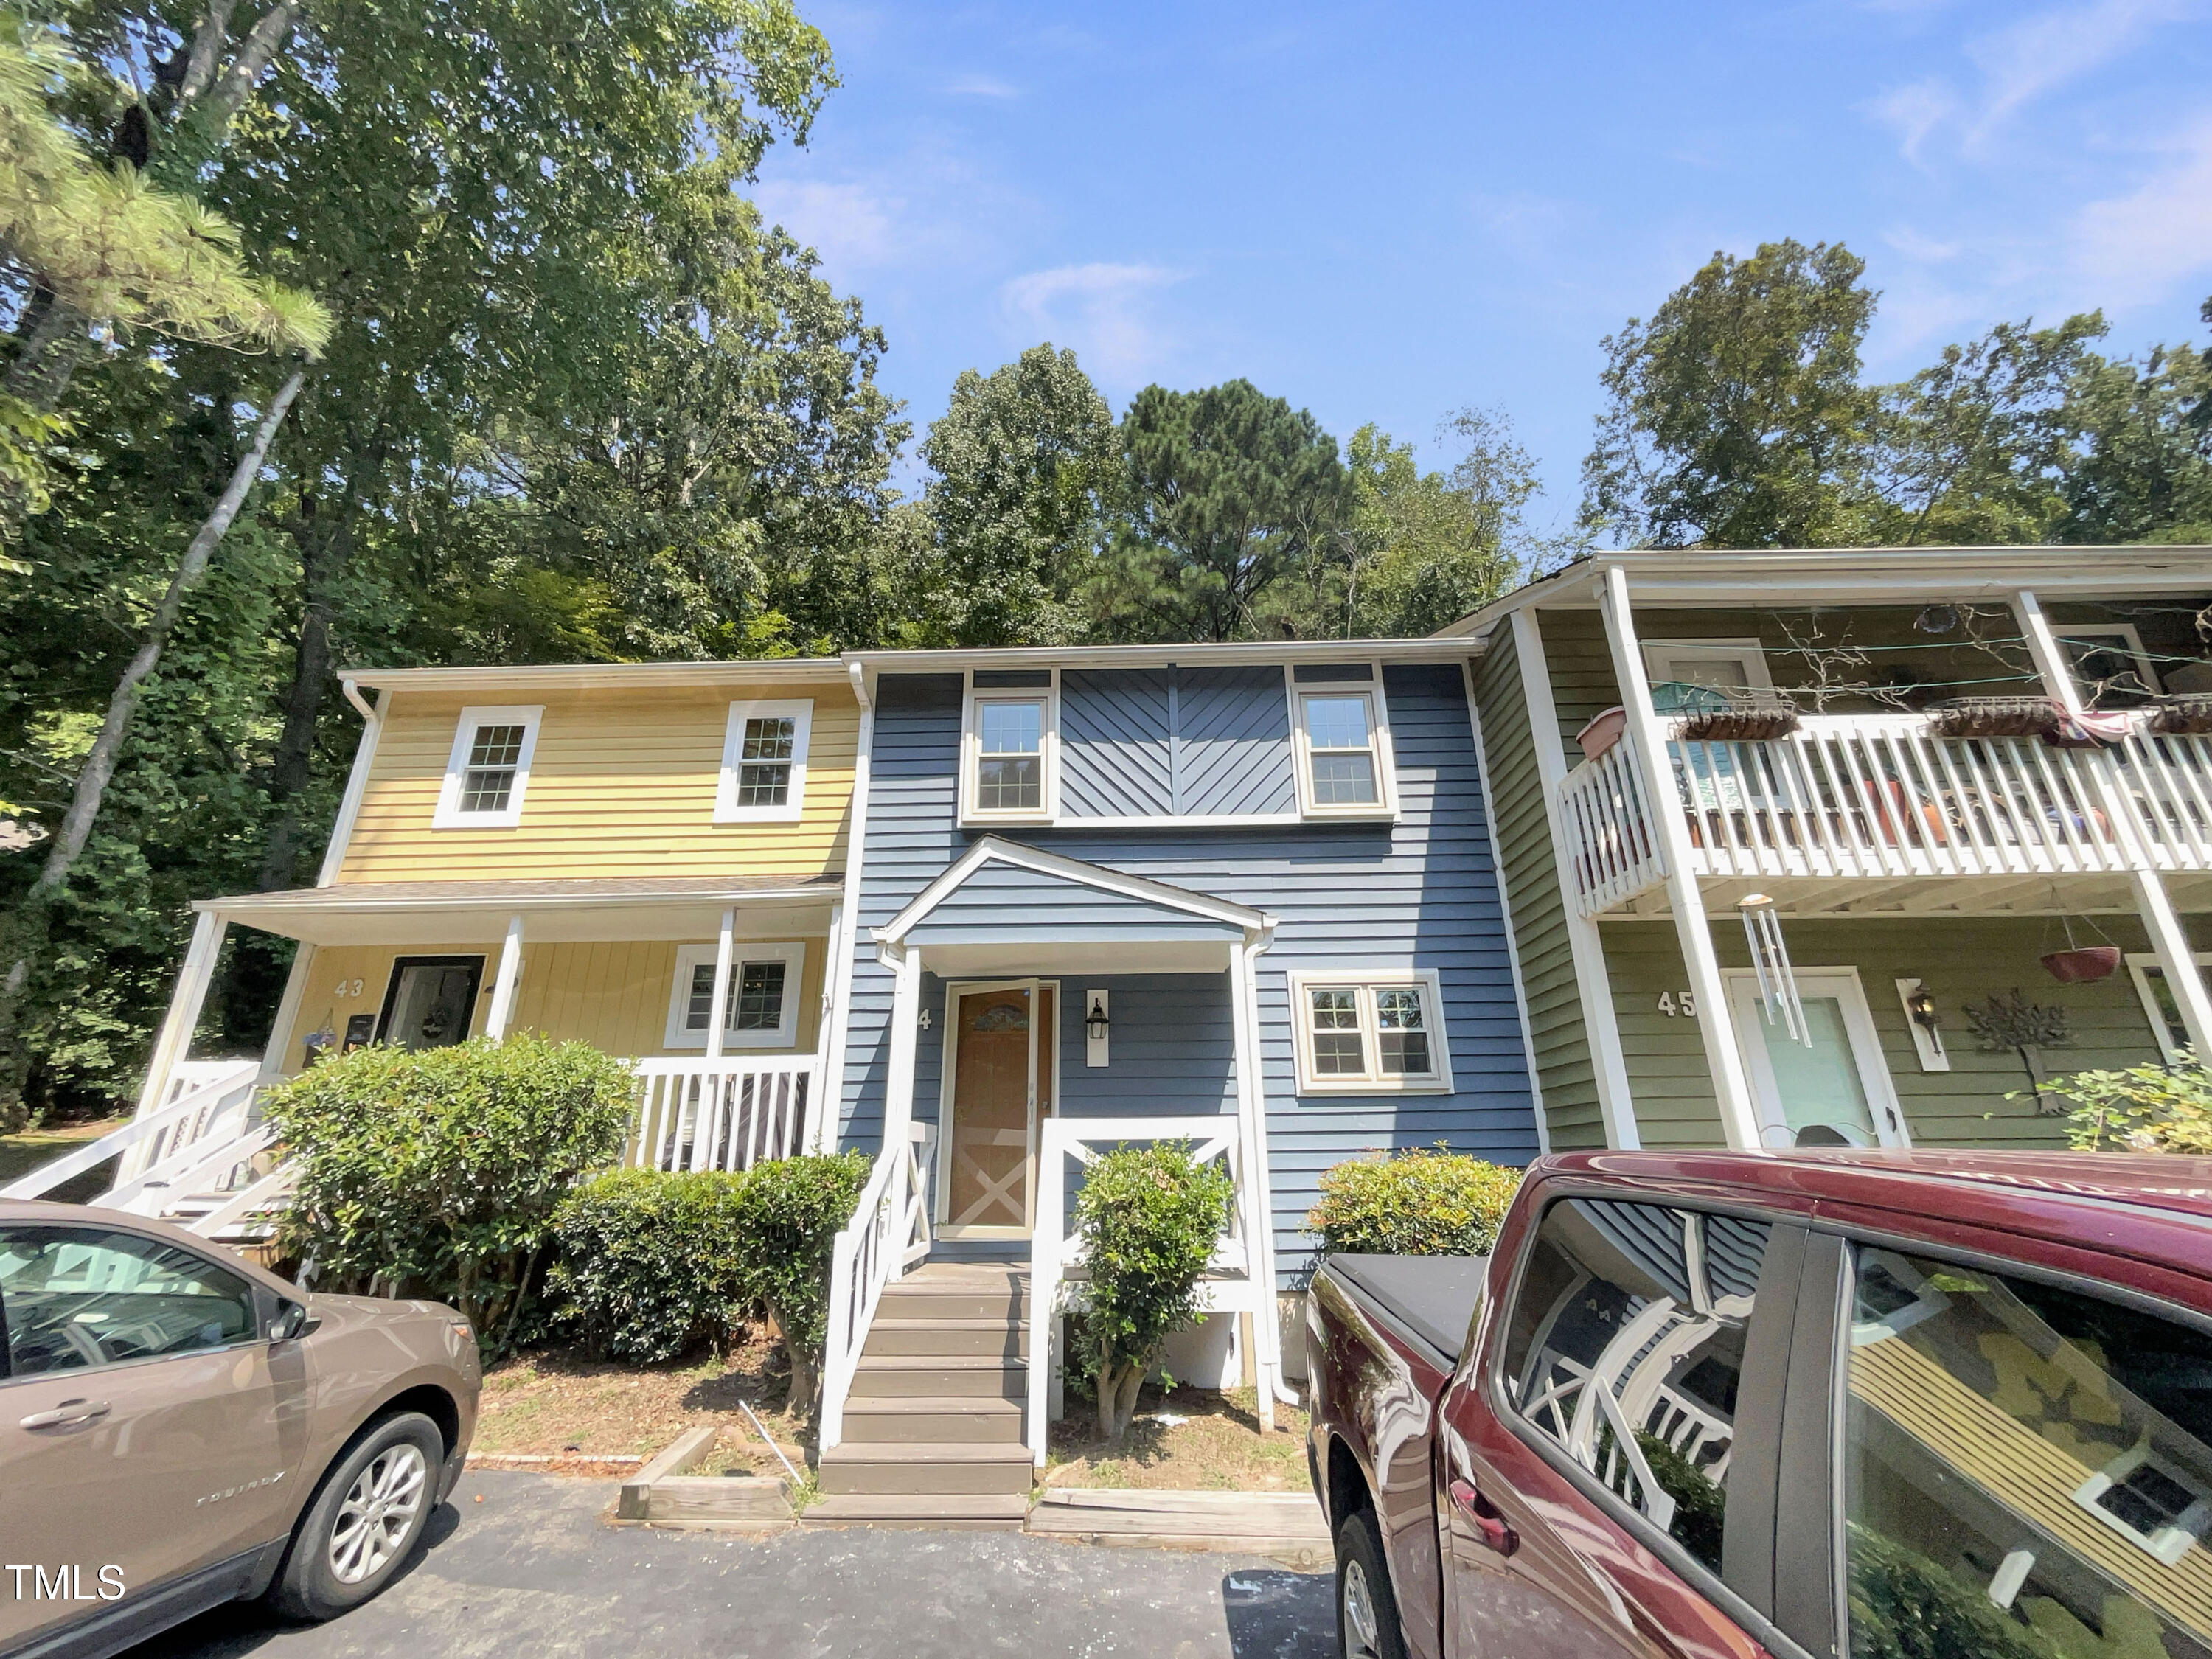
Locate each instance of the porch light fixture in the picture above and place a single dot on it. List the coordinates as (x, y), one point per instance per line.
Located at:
(1922, 1006)
(1769, 961)
(1094, 1027)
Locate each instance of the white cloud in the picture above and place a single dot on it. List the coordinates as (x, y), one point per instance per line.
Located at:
(1921, 250)
(981, 85)
(851, 225)
(2137, 246)
(2020, 64)
(1104, 311)
(1914, 112)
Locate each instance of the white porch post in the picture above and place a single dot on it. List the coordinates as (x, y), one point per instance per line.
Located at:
(723, 948)
(1648, 736)
(898, 1091)
(288, 1012)
(1259, 1241)
(1616, 1105)
(503, 984)
(174, 1039)
(822, 1101)
(2168, 939)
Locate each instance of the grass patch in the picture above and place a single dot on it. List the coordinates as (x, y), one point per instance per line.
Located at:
(20, 1154)
(1182, 1440)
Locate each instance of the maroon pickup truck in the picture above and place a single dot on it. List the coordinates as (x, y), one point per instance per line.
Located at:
(1897, 1405)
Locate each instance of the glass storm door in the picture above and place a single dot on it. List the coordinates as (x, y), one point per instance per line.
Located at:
(431, 1001)
(1001, 1045)
(1835, 1092)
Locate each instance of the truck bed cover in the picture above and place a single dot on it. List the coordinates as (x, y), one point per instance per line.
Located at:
(1428, 1297)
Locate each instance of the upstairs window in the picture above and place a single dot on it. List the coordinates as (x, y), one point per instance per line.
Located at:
(1007, 763)
(1342, 742)
(761, 1010)
(764, 762)
(1370, 1033)
(488, 770)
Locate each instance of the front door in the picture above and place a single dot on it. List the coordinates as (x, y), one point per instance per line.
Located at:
(431, 1001)
(1836, 1091)
(999, 1067)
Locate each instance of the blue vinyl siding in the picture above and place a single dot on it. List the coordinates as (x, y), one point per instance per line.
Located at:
(1002, 903)
(1234, 743)
(1116, 748)
(1174, 742)
(1420, 893)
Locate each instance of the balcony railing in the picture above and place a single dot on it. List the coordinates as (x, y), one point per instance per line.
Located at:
(727, 1114)
(1858, 796)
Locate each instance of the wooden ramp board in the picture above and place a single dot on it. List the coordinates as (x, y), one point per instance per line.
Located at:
(1283, 1525)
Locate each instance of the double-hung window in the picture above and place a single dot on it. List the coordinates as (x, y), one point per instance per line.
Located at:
(761, 1008)
(488, 770)
(1007, 772)
(764, 762)
(1342, 741)
(1370, 1033)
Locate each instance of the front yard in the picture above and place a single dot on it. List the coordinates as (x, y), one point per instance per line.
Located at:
(1182, 1440)
(20, 1154)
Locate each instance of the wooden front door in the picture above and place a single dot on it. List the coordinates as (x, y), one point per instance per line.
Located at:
(1001, 1067)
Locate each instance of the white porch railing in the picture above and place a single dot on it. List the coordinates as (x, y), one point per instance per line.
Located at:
(208, 1112)
(1881, 795)
(2169, 779)
(726, 1114)
(1056, 1254)
(889, 1233)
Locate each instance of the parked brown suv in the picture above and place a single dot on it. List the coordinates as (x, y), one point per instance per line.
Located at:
(178, 1428)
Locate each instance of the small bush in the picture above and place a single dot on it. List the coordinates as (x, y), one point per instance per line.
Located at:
(437, 1172)
(651, 1263)
(2144, 1108)
(788, 1214)
(1149, 1216)
(1412, 1203)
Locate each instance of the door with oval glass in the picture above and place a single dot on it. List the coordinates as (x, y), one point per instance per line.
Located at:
(1000, 1069)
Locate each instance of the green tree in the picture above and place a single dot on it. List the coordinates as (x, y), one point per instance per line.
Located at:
(2138, 471)
(1224, 492)
(1021, 463)
(1735, 416)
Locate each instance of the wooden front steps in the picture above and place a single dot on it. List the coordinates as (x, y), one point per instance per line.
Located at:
(933, 1425)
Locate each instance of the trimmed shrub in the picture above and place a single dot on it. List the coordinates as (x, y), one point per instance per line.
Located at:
(650, 1263)
(2144, 1108)
(1149, 1216)
(1412, 1203)
(437, 1172)
(788, 1214)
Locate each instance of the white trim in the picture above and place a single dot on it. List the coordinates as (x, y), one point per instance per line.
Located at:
(2169, 1543)
(1505, 915)
(940, 1198)
(1189, 821)
(801, 713)
(364, 757)
(1883, 1109)
(1384, 806)
(2068, 636)
(1748, 654)
(971, 702)
(173, 1043)
(1364, 982)
(691, 957)
(286, 1025)
(845, 940)
(449, 816)
(2140, 963)
(505, 985)
(892, 935)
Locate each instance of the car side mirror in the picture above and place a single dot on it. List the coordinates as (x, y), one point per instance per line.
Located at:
(292, 1322)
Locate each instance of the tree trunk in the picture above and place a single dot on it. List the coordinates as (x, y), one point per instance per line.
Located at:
(1117, 1399)
(805, 1382)
(34, 916)
(292, 767)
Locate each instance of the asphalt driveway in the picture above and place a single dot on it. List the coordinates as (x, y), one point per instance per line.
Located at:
(532, 1569)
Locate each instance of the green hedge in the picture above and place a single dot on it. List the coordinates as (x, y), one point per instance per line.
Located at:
(437, 1172)
(2144, 1108)
(651, 1263)
(1412, 1203)
(788, 1214)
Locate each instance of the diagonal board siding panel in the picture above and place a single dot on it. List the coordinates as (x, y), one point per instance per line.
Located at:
(1234, 750)
(1115, 759)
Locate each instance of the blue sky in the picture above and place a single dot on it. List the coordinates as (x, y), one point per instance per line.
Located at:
(1387, 212)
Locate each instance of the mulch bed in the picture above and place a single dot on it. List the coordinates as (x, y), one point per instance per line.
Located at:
(1182, 1440)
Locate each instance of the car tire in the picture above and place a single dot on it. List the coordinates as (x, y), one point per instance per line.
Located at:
(1366, 1607)
(365, 1520)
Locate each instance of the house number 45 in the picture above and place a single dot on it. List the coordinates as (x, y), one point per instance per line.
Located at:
(1672, 1003)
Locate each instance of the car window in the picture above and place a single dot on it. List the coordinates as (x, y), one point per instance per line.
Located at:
(1624, 1346)
(2027, 1471)
(77, 1297)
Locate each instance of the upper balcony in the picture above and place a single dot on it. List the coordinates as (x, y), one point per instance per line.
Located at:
(1893, 798)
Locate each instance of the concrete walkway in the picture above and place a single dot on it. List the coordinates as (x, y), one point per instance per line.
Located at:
(533, 1570)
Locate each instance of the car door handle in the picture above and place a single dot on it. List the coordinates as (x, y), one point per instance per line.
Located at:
(70, 1411)
(1489, 1525)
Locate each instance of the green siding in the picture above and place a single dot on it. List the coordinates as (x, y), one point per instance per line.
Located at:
(1961, 959)
(1524, 839)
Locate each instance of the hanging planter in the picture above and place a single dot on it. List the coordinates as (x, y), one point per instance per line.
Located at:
(1994, 717)
(1602, 732)
(2183, 716)
(2077, 964)
(1755, 719)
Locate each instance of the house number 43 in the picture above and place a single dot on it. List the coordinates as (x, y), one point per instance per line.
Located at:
(1672, 1003)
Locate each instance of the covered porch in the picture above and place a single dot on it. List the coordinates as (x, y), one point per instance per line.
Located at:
(1045, 1010)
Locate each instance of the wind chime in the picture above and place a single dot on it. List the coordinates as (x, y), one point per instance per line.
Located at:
(1769, 961)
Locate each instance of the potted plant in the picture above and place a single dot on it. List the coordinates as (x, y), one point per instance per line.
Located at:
(1994, 717)
(2185, 714)
(1603, 732)
(1746, 718)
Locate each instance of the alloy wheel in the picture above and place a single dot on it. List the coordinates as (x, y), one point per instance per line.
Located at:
(378, 1512)
(1360, 1635)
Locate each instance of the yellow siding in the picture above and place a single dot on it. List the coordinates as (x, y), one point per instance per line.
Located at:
(613, 996)
(622, 784)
